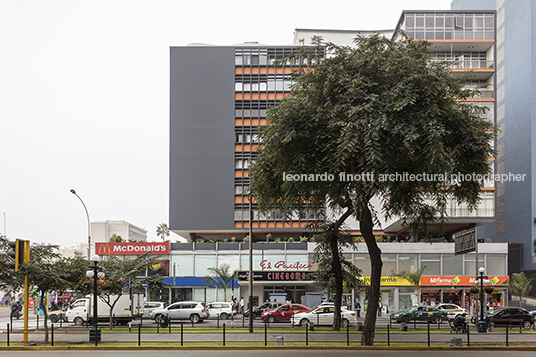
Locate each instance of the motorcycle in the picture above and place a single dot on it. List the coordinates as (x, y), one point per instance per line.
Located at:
(16, 314)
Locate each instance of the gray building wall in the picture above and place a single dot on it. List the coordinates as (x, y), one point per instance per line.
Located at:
(516, 100)
(201, 138)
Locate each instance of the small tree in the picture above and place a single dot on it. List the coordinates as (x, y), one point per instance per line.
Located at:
(116, 239)
(163, 231)
(119, 274)
(221, 277)
(521, 285)
(414, 277)
(333, 269)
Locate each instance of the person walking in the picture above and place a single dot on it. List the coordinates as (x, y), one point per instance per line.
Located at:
(241, 305)
(380, 308)
(358, 307)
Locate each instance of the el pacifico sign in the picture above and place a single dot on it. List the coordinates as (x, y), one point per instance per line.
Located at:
(138, 248)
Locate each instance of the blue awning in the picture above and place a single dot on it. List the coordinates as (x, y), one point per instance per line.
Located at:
(191, 281)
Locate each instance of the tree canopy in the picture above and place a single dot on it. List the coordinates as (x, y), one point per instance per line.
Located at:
(370, 118)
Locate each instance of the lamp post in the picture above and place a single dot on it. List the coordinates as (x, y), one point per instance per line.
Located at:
(88, 226)
(482, 324)
(95, 272)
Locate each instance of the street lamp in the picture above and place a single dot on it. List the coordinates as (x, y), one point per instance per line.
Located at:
(88, 226)
(482, 324)
(95, 272)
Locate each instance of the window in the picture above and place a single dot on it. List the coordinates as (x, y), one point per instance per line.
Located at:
(452, 264)
(362, 261)
(495, 264)
(407, 262)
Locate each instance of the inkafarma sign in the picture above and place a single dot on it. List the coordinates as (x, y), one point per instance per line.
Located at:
(131, 248)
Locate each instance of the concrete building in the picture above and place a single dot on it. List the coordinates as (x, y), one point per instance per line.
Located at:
(102, 232)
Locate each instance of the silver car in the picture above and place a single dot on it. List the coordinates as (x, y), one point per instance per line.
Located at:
(149, 306)
(183, 310)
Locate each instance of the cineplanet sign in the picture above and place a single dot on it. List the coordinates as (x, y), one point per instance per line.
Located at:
(131, 248)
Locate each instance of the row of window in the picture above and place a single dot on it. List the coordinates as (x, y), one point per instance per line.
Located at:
(450, 21)
(451, 35)
(436, 264)
(243, 215)
(269, 85)
(247, 138)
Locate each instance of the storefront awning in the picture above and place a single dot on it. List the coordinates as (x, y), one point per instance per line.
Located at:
(191, 281)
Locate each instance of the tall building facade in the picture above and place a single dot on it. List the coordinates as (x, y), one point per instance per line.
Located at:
(516, 121)
(219, 98)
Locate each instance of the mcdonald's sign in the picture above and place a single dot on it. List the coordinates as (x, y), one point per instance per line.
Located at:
(131, 248)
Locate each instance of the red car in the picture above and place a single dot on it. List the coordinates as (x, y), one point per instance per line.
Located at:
(283, 313)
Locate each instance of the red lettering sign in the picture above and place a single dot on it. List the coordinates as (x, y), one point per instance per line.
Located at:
(282, 265)
(138, 248)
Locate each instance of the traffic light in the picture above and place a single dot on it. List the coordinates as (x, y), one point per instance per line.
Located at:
(20, 253)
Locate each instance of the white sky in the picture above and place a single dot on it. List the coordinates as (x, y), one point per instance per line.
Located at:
(84, 98)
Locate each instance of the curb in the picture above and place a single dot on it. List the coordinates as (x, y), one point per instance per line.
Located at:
(245, 348)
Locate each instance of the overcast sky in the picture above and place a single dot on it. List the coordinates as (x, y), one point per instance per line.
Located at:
(84, 98)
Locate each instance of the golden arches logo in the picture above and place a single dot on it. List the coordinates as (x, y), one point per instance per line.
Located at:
(104, 249)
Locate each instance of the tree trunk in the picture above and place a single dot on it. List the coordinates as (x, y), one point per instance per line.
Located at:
(338, 281)
(337, 269)
(43, 307)
(366, 227)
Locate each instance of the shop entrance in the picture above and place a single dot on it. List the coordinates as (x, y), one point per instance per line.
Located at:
(453, 297)
(294, 293)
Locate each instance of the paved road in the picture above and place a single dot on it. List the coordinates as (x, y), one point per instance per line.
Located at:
(270, 353)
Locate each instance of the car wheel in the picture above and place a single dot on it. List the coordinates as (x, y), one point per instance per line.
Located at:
(527, 324)
(194, 318)
(492, 324)
(345, 323)
(437, 319)
(473, 320)
(304, 322)
(405, 319)
(78, 321)
(224, 316)
(271, 319)
(54, 318)
(156, 317)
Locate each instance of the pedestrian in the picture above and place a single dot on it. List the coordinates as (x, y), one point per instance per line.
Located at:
(241, 305)
(380, 308)
(358, 307)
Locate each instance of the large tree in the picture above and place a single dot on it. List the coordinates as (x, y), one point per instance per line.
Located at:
(372, 116)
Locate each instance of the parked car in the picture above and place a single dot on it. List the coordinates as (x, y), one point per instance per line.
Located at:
(510, 316)
(257, 311)
(283, 313)
(221, 309)
(452, 310)
(149, 306)
(55, 316)
(183, 310)
(420, 313)
(324, 316)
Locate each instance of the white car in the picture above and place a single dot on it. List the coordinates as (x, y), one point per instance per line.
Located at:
(221, 309)
(452, 310)
(149, 306)
(323, 316)
(183, 310)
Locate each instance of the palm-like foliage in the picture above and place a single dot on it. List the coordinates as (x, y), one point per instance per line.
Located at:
(221, 277)
(414, 277)
(521, 285)
(163, 231)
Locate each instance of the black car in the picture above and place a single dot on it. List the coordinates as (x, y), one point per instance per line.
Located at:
(510, 316)
(257, 311)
